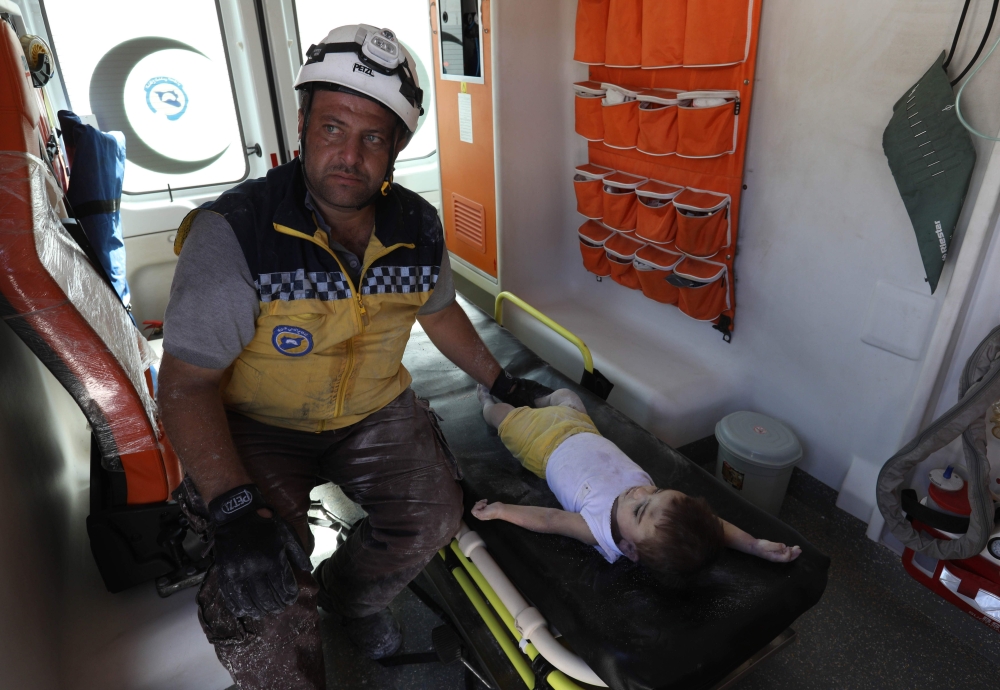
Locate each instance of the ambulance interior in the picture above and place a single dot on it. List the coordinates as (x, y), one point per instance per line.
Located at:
(829, 322)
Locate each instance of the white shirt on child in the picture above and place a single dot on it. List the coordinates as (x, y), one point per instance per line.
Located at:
(587, 472)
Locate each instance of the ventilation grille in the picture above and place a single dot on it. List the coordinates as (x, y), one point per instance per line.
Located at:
(470, 222)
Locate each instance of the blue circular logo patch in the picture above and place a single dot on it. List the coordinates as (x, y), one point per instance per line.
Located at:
(166, 96)
(292, 341)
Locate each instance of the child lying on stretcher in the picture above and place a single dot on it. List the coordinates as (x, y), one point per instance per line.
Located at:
(609, 501)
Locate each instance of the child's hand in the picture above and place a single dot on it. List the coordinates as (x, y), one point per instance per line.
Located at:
(483, 510)
(773, 551)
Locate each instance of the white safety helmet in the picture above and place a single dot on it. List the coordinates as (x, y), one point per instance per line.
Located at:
(370, 61)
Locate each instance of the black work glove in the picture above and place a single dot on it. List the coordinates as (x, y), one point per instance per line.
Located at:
(517, 392)
(252, 554)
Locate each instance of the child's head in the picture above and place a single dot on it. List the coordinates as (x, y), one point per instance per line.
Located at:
(667, 530)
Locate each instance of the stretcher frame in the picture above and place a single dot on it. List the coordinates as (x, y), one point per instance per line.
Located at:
(492, 632)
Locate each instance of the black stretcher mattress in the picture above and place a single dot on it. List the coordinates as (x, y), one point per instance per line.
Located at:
(635, 630)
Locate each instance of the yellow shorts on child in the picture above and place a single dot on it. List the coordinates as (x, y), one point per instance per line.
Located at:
(532, 434)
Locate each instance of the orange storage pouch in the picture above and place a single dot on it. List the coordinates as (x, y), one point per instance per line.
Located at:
(589, 186)
(621, 251)
(591, 31)
(593, 236)
(620, 201)
(657, 123)
(703, 222)
(621, 124)
(652, 267)
(589, 117)
(702, 288)
(706, 129)
(624, 41)
(656, 217)
(663, 24)
(717, 32)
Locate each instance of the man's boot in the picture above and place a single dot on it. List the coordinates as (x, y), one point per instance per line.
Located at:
(377, 636)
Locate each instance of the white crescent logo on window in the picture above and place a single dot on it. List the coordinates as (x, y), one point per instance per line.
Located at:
(358, 67)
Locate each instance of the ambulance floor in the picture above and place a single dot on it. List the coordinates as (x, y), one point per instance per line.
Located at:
(875, 627)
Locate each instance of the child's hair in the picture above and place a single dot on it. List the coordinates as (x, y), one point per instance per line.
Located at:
(688, 537)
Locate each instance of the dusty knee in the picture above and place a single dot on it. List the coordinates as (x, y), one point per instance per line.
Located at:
(421, 521)
(438, 531)
(567, 398)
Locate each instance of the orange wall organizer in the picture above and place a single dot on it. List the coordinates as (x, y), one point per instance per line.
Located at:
(666, 114)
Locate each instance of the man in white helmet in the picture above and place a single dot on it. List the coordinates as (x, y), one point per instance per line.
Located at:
(291, 306)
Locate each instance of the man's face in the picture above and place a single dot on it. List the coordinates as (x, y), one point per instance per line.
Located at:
(349, 140)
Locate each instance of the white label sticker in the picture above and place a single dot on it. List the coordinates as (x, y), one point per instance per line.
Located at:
(465, 117)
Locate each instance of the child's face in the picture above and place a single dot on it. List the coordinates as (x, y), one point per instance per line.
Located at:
(638, 510)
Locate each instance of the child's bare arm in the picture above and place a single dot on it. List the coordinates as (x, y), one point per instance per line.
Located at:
(736, 538)
(545, 520)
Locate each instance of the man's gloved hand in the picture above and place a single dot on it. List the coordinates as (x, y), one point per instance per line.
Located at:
(252, 554)
(517, 392)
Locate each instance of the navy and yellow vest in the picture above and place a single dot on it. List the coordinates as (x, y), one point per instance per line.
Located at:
(326, 353)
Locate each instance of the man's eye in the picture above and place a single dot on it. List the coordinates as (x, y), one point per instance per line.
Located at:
(332, 129)
(373, 138)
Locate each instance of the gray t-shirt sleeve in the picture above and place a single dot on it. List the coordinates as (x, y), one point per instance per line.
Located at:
(444, 290)
(212, 313)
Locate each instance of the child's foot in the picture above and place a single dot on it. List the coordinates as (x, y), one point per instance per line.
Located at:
(483, 393)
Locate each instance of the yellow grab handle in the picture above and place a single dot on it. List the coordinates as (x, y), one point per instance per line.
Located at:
(588, 359)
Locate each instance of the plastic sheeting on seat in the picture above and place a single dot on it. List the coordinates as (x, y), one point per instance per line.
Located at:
(74, 322)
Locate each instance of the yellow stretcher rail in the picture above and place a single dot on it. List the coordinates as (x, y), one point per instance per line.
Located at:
(588, 359)
(556, 679)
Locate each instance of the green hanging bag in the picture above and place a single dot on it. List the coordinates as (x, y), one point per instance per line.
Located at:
(931, 156)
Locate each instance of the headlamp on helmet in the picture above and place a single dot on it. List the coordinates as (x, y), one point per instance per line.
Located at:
(369, 61)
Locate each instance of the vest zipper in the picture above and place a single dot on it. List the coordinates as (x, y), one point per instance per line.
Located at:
(360, 313)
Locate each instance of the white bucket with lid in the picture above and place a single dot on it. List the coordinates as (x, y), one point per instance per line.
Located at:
(756, 457)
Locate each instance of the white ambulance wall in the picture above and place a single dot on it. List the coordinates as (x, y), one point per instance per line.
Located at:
(35, 499)
(826, 249)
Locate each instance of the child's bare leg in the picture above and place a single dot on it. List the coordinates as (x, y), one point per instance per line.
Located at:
(493, 412)
(563, 397)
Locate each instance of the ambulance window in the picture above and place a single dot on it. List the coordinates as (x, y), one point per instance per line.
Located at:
(461, 40)
(157, 72)
(411, 22)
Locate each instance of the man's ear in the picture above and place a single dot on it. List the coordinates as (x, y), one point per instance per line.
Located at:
(628, 548)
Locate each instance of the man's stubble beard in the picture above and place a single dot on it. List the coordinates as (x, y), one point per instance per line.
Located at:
(329, 192)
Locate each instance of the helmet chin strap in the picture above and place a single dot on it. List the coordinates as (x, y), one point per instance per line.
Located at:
(387, 180)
